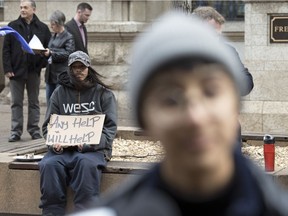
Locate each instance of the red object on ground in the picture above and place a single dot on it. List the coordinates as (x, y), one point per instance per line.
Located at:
(269, 157)
(269, 153)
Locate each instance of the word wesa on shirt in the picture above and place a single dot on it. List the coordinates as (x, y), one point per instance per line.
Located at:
(78, 108)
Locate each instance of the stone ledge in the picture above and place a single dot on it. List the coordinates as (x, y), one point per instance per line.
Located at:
(126, 31)
(19, 188)
(17, 200)
(264, 1)
(113, 167)
(130, 26)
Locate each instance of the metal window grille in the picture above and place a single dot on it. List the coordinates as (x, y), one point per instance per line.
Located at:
(231, 10)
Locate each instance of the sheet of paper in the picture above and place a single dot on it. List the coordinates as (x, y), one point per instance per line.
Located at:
(69, 130)
(35, 43)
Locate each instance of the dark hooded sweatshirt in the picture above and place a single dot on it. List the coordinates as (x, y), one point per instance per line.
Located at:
(67, 99)
(250, 193)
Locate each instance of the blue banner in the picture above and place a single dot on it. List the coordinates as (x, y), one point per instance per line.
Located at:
(8, 30)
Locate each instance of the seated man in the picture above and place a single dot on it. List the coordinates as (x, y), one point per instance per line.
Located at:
(79, 167)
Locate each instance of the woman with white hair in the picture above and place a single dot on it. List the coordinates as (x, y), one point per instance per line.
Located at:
(60, 46)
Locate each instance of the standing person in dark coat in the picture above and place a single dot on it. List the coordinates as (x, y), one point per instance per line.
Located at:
(24, 69)
(77, 28)
(216, 20)
(60, 46)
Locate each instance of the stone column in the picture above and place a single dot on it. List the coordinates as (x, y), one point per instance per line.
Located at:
(266, 108)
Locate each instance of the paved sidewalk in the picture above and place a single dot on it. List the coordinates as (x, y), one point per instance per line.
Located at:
(5, 123)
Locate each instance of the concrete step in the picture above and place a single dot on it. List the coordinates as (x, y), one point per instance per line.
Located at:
(20, 184)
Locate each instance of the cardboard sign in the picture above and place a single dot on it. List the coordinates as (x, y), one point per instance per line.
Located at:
(69, 130)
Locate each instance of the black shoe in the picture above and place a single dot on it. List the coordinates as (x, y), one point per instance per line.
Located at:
(14, 138)
(36, 136)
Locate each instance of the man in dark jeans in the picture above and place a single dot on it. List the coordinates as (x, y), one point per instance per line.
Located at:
(216, 20)
(24, 69)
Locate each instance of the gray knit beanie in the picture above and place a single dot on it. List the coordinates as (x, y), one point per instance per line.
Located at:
(172, 36)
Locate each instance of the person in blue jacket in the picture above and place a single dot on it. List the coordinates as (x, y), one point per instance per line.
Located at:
(80, 92)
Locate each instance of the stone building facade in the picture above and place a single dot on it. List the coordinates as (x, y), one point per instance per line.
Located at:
(111, 29)
(114, 24)
(266, 108)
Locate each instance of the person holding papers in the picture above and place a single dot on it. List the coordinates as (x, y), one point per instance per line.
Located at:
(80, 92)
(60, 46)
(23, 70)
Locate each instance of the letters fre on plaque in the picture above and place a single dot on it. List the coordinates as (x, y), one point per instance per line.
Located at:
(70, 130)
(279, 28)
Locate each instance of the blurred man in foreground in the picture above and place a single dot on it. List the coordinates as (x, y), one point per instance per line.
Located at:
(185, 89)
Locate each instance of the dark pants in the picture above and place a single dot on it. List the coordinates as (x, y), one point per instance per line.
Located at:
(17, 87)
(50, 87)
(81, 171)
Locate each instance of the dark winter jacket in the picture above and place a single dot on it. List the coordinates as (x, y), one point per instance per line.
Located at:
(67, 100)
(254, 194)
(72, 27)
(61, 46)
(248, 77)
(14, 58)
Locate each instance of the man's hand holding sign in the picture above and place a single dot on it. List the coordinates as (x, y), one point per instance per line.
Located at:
(64, 130)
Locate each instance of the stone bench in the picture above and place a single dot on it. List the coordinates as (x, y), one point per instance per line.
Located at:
(245, 135)
(20, 183)
(256, 139)
(259, 136)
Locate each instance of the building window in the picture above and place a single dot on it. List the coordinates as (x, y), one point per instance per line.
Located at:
(232, 10)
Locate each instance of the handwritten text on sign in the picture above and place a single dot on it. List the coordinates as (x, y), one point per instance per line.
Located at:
(74, 130)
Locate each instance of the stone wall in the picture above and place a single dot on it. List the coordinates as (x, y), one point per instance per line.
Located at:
(109, 48)
(103, 10)
(111, 30)
(265, 109)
